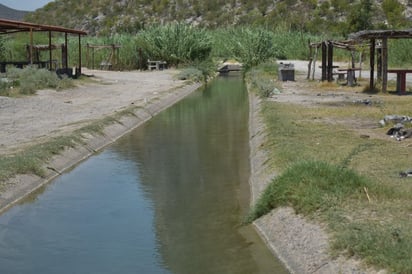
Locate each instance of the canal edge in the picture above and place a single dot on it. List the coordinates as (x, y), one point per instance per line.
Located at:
(302, 246)
(26, 184)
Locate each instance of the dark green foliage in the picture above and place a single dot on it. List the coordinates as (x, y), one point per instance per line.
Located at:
(308, 187)
(175, 43)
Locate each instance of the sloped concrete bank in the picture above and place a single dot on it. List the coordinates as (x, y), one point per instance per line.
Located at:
(299, 243)
(22, 186)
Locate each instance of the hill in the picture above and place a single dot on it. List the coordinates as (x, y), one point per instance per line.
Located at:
(11, 14)
(105, 17)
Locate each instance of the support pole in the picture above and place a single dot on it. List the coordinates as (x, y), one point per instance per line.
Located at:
(372, 63)
(80, 56)
(379, 61)
(66, 49)
(50, 51)
(384, 64)
(330, 61)
(324, 64)
(31, 46)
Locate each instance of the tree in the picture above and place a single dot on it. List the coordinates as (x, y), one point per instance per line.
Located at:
(360, 16)
(394, 13)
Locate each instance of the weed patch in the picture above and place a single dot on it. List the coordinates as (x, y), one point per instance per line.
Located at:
(310, 187)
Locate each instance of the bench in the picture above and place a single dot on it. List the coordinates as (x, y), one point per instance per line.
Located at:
(104, 65)
(156, 65)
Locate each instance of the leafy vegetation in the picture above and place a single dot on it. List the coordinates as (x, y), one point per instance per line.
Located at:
(28, 80)
(355, 191)
(309, 187)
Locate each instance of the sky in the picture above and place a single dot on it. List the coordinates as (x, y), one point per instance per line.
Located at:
(28, 5)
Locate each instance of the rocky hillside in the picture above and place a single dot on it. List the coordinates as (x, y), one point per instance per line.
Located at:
(11, 14)
(105, 17)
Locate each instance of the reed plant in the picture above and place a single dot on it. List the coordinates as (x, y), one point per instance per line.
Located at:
(177, 43)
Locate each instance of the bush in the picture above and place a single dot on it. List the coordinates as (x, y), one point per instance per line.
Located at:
(28, 80)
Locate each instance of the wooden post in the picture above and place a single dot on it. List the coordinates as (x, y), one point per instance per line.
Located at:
(315, 57)
(66, 49)
(330, 61)
(384, 64)
(379, 61)
(31, 46)
(80, 55)
(50, 51)
(310, 60)
(372, 63)
(324, 57)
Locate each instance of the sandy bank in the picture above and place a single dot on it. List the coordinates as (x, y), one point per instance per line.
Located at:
(49, 114)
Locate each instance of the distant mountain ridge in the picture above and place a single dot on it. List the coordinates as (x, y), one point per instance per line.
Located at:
(107, 17)
(11, 14)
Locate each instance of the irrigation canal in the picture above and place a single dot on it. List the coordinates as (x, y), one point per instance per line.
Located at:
(167, 198)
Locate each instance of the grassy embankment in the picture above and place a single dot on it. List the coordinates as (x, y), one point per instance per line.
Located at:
(327, 172)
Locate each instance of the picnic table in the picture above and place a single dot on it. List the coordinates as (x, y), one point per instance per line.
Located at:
(400, 78)
(350, 72)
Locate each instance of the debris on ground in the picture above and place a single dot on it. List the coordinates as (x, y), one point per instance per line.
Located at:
(407, 173)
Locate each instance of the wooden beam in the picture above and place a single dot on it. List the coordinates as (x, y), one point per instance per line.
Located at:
(324, 64)
(384, 64)
(50, 51)
(80, 55)
(372, 63)
(330, 61)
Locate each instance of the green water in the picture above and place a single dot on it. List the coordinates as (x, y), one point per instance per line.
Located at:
(167, 198)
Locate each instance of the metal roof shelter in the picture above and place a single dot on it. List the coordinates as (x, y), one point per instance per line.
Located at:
(11, 26)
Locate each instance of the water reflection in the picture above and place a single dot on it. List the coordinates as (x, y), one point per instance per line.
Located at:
(194, 160)
(167, 198)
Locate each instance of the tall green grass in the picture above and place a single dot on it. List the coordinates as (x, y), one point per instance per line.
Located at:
(175, 43)
(309, 187)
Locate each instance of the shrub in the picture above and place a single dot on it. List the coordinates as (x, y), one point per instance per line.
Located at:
(30, 79)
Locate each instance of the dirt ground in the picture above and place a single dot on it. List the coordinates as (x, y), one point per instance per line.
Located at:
(300, 244)
(31, 120)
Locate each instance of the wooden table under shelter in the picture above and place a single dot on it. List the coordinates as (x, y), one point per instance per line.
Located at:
(400, 78)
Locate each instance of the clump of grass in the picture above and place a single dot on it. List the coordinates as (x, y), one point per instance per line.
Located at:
(31, 160)
(192, 74)
(30, 79)
(308, 187)
(262, 79)
(381, 244)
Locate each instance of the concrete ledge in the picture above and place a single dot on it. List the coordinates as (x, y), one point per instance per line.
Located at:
(21, 186)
